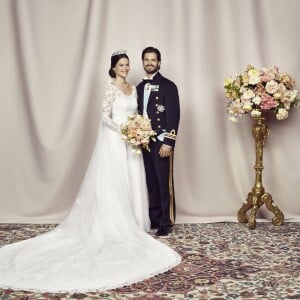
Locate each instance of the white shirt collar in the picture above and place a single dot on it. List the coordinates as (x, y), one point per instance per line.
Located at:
(150, 78)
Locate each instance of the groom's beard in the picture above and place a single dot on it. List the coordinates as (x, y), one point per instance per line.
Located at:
(150, 69)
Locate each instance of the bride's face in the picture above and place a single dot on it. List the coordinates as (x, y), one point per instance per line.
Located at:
(122, 67)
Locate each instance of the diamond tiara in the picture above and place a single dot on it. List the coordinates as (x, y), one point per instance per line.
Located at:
(121, 51)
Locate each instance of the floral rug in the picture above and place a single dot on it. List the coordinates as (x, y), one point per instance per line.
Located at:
(220, 261)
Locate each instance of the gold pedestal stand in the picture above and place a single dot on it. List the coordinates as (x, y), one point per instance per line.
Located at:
(257, 197)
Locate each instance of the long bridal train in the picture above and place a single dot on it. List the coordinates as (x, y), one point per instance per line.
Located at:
(102, 244)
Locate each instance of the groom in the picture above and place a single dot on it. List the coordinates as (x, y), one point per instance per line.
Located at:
(158, 99)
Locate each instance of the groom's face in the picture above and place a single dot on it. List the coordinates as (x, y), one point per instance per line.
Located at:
(151, 63)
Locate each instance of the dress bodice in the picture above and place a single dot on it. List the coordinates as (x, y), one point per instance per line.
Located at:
(117, 106)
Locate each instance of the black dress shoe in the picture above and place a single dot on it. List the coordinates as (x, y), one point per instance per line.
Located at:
(163, 231)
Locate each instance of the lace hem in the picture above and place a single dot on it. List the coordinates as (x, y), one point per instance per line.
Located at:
(97, 289)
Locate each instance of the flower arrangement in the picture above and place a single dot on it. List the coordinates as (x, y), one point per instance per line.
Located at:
(260, 90)
(137, 132)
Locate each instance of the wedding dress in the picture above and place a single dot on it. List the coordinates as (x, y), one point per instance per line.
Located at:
(102, 243)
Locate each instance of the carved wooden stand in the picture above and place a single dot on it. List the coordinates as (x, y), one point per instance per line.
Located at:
(257, 197)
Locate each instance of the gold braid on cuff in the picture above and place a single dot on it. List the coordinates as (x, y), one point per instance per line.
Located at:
(171, 135)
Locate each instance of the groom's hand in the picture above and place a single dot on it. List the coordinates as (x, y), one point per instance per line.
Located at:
(165, 151)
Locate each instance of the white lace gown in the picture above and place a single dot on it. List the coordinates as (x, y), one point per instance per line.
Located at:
(102, 244)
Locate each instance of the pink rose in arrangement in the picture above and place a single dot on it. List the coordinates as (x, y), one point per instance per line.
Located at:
(267, 102)
(258, 90)
(267, 75)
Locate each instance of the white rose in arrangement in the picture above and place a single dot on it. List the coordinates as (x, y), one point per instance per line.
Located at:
(272, 87)
(248, 94)
(281, 87)
(277, 95)
(243, 90)
(282, 114)
(228, 81)
(254, 76)
(255, 113)
(289, 96)
(256, 100)
(247, 106)
(293, 95)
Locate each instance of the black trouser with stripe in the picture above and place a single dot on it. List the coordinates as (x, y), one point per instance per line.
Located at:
(159, 176)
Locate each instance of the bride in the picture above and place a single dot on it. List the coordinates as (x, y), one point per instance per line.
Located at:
(102, 243)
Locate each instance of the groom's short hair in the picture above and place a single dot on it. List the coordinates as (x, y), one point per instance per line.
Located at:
(152, 50)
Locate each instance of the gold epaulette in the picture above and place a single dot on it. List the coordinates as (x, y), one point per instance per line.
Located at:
(171, 135)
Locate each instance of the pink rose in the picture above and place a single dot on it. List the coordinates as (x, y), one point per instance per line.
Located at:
(267, 102)
(267, 74)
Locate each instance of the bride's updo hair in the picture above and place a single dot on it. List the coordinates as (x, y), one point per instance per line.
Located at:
(115, 57)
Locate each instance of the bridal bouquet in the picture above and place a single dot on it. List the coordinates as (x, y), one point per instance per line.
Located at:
(137, 132)
(259, 90)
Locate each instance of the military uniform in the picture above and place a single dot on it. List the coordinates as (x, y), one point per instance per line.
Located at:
(164, 112)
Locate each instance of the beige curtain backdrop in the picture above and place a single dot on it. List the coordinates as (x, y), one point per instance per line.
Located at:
(54, 58)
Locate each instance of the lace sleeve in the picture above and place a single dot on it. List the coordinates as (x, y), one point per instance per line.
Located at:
(107, 104)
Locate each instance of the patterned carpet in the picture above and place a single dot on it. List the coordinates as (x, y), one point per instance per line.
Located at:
(220, 261)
